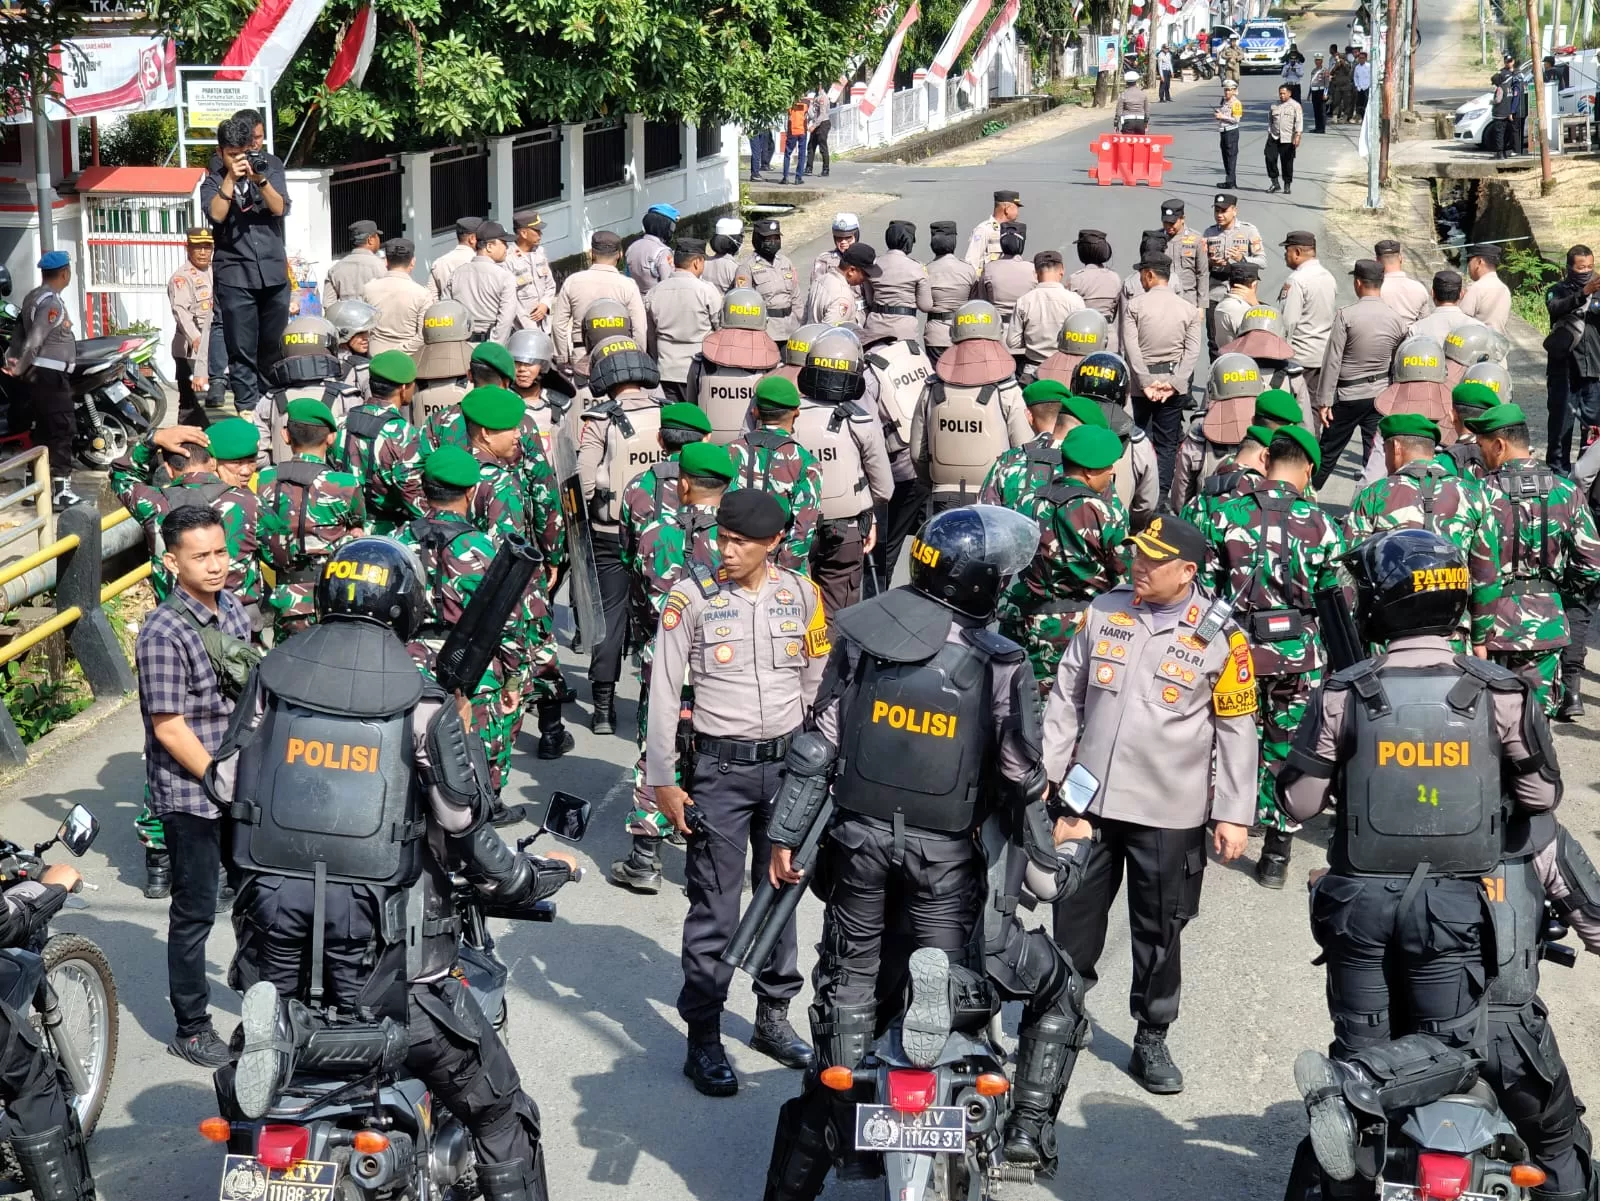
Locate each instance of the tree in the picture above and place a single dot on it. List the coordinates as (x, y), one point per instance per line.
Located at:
(33, 37)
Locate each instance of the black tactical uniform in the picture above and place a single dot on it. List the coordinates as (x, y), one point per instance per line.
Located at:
(342, 705)
(1428, 753)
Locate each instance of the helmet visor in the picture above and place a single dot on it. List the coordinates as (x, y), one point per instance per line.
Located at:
(1010, 539)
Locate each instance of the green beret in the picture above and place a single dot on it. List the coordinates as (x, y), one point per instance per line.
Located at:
(453, 466)
(233, 438)
(497, 356)
(1497, 418)
(685, 416)
(396, 366)
(1091, 447)
(1473, 395)
(1046, 391)
(1088, 412)
(1279, 405)
(1408, 425)
(309, 411)
(1306, 440)
(494, 408)
(777, 392)
(1261, 434)
(706, 458)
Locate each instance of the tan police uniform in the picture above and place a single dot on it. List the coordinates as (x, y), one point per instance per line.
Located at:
(1307, 303)
(896, 299)
(950, 284)
(779, 285)
(446, 265)
(488, 292)
(983, 247)
(1101, 291)
(832, 301)
(1161, 340)
(1039, 315)
(189, 294)
(1406, 296)
(351, 274)
(1191, 267)
(536, 285)
(683, 310)
(1004, 282)
(1488, 300)
(720, 271)
(401, 301)
(602, 281)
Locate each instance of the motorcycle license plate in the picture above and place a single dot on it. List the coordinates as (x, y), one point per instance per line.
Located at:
(245, 1178)
(116, 391)
(941, 1130)
(1410, 1192)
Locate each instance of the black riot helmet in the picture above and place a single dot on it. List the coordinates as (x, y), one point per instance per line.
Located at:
(1102, 376)
(964, 557)
(835, 368)
(373, 579)
(1408, 582)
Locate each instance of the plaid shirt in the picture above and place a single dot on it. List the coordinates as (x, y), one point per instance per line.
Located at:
(175, 676)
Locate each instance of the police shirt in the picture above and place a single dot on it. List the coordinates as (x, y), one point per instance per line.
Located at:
(753, 659)
(189, 294)
(43, 337)
(1191, 266)
(489, 293)
(351, 274)
(1242, 236)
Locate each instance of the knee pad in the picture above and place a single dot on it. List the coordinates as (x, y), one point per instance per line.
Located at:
(800, 1154)
(972, 999)
(842, 1034)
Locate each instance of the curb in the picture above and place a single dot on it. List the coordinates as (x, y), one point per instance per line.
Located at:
(64, 735)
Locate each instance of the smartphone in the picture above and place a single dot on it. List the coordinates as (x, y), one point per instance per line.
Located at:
(1078, 789)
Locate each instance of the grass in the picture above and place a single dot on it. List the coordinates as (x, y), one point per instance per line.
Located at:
(1532, 274)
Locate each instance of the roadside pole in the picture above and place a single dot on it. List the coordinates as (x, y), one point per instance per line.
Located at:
(1547, 181)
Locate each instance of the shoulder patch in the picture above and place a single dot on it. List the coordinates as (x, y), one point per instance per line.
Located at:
(1119, 618)
(818, 643)
(672, 609)
(1234, 693)
(996, 646)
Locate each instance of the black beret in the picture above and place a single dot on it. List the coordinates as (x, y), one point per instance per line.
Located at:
(752, 513)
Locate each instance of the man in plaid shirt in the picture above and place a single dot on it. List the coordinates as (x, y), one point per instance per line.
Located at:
(185, 717)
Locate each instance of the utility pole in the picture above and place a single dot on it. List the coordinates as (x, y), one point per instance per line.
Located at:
(1122, 38)
(1547, 179)
(1483, 33)
(41, 168)
(1390, 63)
(1370, 121)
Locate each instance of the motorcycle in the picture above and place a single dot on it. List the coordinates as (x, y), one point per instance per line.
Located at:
(118, 391)
(63, 982)
(1189, 58)
(380, 1137)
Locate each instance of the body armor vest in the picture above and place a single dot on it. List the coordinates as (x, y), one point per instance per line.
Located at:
(1529, 490)
(632, 447)
(823, 430)
(918, 739)
(966, 433)
(1516, 907)
(903, 369)
(1122, 480)
(300, 474)
(174, 496)
(439, 395)
(1422, 779)
(547, 415)
(434, 539)
(725, 396)
(304, 377)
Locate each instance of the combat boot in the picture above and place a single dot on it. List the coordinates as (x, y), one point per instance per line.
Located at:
(157, 873)
(1046, 1054)
(554, 738)
(1272, 869)
(775, 1036)
(604, 720)
(800, 1156)
(1152, 1064)
(55, 1163)
(706, 1063)
(641, 870)
(1571, 707)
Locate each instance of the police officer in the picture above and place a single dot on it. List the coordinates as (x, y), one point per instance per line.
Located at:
(1104, 378)
(848, 442)
(1132, 113)
(1418, 722)
(1005, 279)
(794, 351)
(337, 682)
(1259, 334)
(1466, 346)
(41, 353)
(1230, 409)
(846, 232)
(618, 441)
(835, 295)
(1191, 265)
(1095, 282)
(444, 362)
(1228, 240)
(900, 292)
(1085, 332)
(727, 634)
(1156, 687)
(1161, 338)
(364, 263)
(722, 378)
(530, 266)
(1469, 399)
(1019, 474)
(197, 342)
(950, 283)
(485, 288)
(683, 310)
(971, 411)
(307, 369)
(727, 238)
(353, 323)
(983, 247)
(400, 300)
(601, 280)
(1406, 296)
(1243, 279)
(604, 318)
(1041, 313)
(1357, 367)
(1228, 114)
(770, 272)
(541, 388)
(443, 267)
(649, 260)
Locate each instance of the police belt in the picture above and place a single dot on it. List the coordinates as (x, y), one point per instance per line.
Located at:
(893, 310)
(836, 525)
(739, 750)
(1530, 586)
(1161, 368)
(780, 312)
(950, 316)
(1365, 379)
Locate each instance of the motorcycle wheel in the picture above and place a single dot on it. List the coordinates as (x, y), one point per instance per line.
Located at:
(149, 397)
(951, 1178)
(86, 991)
(116, 436)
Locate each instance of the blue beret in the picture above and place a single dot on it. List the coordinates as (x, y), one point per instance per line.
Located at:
(55, 260)
(665, 210)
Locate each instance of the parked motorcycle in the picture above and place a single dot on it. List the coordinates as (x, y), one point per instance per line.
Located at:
(63, 982)
(381, 1137)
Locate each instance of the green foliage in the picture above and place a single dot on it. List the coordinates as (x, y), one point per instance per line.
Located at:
(992, 127)
(1531, 274)
(137, 140)
(30, 30)
(37, 705)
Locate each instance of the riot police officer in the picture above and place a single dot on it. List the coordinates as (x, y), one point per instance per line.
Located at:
(309, 366)
(1103, 377)
(1230, 407)
(335, 686)
(1085, 332)
(723, 376)
(1419, 723)
(445, 359)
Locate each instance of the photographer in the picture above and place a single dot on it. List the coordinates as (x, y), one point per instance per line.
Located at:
(244, 197)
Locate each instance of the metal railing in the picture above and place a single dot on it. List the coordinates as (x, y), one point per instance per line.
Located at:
(905, 114)
(368, 191)
(458, 185)
(33, 466)
(708, 140)
(605, 154)
(847, 131)
(536, 168)
(663, 146)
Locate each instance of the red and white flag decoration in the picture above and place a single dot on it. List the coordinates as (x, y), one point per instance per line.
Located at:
(269, 38)
(355, 50)
(882, 80)
(966, 24)
(1004, 20)
(880, 21)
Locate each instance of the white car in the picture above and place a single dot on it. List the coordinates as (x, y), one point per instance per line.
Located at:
(1473, 118)
(1264, 44)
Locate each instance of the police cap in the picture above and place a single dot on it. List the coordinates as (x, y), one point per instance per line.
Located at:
(1368, 271)
(1171, 209)
(1167, 538)
(1006, 196)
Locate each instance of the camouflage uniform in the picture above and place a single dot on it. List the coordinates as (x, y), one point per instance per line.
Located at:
(1080, 555)
(1546, 547)
(541, 502)
(1222, 485)
(300, 526)
(1019, 473)
(1275, 581)
(388, 464)
(772, 460)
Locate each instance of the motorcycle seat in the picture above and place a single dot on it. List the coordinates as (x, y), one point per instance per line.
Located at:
(99, 350)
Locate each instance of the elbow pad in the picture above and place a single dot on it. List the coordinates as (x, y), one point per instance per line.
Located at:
(491, 866)
(1579, 873)
(548, 876)
(806, 769)
(1071, 862)
(457, 766)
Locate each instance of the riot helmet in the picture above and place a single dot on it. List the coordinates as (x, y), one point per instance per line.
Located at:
(1234, 375)
(352, 316)
(744, 308)
(605, 319)
(798, 346)
(1419, 360)
(1470, 343)
(1103, 377)
(1085, 332)
(373, 579)
(834, 369)
(1408, 581)
(446, 321)
(532, 347)
(1261, 316)
(964, 557)
(618, 361)
(309, 335)
(976, 319)
(1491, 375)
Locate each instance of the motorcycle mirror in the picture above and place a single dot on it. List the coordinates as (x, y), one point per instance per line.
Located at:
(5, 280)
(567, 817)
(78, 831)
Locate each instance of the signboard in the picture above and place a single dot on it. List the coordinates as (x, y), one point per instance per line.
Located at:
(100, 76)
(211, 102)
(205, 102)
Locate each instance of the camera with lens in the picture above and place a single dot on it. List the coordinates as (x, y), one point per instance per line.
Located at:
(258, 162)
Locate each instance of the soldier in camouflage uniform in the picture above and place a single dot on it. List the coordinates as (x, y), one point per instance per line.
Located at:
(1019, 473)
(771, 459)
(1421, 493)
(1082, 527)
(1271, 550)
(653, 493)
(307, 509)
(1548, 546)
(1462, 457)
(1232, 476)
(677, 536)
(378, 444)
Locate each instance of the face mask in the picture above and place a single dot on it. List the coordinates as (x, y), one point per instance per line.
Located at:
(768, 248)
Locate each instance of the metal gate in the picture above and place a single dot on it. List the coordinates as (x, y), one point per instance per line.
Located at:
(368, 191)
(459, 185)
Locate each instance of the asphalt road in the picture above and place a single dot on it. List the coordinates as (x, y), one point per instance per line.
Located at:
(593, 1025)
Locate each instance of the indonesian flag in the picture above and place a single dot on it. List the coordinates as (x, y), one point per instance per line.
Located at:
(883, 78)
(880, 21)
(967, 22)
(269, 38)
(1004, 20)
(355, 51)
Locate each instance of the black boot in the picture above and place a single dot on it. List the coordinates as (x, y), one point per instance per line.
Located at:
(554, 740)
(926, 1025)
(1272, 869)
(501, 814)
(641, 870)
(55, 1163)
(1047, 1052)
(157, 874)
(707, 1063)
(1152, 1064)
(800, 1157)
(1571, 707)
(604, 720)
(515, 1180)
(775, 1036)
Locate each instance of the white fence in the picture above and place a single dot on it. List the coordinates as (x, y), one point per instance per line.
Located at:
(924, 105)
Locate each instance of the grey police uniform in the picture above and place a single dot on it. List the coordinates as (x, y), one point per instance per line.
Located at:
(832, 301)
(489, 293)
(649, 262)
(779, 285)
(683, 311)
(602, 281)
(959, 431)
(1191, 267)
(847, 440)
(951, 281)
(45, 351)
(1355, 371)
(1101, 291)
(446, 265)
(1161, 339)
(1219, 242)
(897, 298)
(536, 285)
(351, 274)
(720, 271)
(1004, 282)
